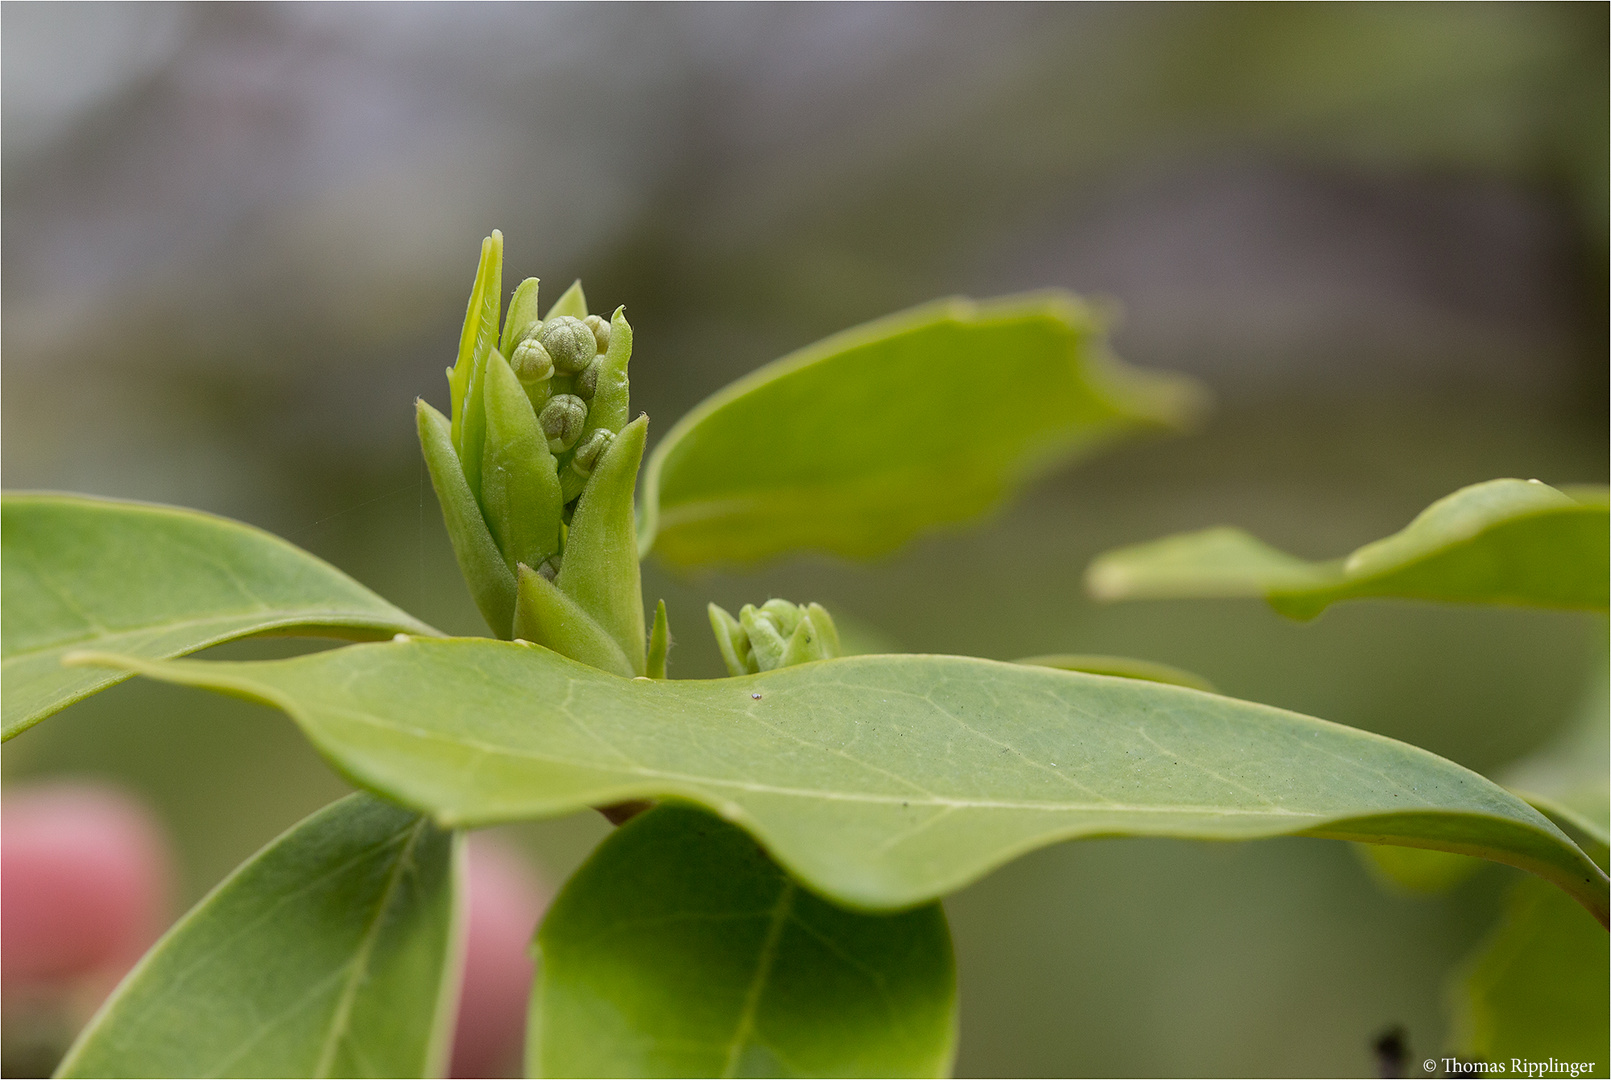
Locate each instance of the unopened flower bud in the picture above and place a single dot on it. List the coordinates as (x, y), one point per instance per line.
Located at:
(592, 448)
(601, 330)
(588, 381)
(562, 421)
(569, 342)
(573, 478)
(531, 362)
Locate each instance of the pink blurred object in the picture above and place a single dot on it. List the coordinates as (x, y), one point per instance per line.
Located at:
(85, 885)
(506, 898)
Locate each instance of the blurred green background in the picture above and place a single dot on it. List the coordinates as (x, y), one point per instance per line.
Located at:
(238, 242)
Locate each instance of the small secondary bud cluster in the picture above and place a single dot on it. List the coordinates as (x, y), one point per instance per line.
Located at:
(776, 634)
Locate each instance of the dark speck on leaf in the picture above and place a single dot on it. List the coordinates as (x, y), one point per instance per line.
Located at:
(757, 697)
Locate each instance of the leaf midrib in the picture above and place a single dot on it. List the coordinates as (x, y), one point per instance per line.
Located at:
(359, 967)
(763, 972)
(927, 799)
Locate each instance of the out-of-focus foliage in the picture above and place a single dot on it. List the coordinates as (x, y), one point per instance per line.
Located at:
(1501, 542)
(1539, 988)
(862, 441)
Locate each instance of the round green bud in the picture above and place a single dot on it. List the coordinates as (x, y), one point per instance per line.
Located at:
(531, 362)
(587, 455)
(569, 342)
(601, 331)
(562, 421)
(587, 382)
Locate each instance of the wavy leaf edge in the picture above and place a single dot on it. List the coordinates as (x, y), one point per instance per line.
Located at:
(1422, 826)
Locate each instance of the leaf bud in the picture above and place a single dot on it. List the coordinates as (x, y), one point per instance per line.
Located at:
(563, 420)
(569, 342)
(531, 362)
(776, 634)
(783, 615)
(601, 331)
(732, 641)
(549, 568)
(768, 645)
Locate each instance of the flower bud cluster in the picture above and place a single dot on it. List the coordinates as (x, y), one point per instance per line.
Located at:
(558, 361)
(536, 408)
(776, 634)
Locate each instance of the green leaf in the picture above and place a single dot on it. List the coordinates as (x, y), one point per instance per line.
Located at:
(519, 484)
(1500, 542)
(476, 342)
(547, 617)
(600, 567)
(572, 302)
(680, 949)
(1538, 988)
(332, 952)
(927, 418)
(151, 581)
(1586, 833)
(1125, 667)
(611, 405)
(522, 313)
(659, 643)
(491, 583)
(881, 781)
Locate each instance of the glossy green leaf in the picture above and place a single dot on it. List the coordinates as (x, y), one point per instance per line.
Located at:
(680, 949)
(882, 781)
(151, 581)
(1538, 989)
(1125, 667)
(927, 418)
(332, 952)
(1516, 542)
